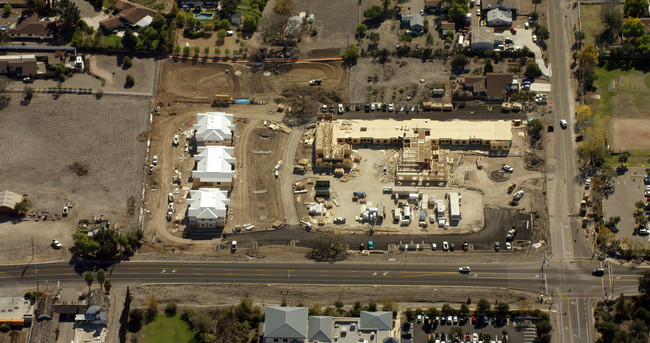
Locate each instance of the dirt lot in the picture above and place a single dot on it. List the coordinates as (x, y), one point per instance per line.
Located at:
(397, 77)
(630, 134)
(108, 68)
(184, 80)
(271, 295)
(53, 135)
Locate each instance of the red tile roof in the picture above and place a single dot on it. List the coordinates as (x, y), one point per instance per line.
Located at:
(129, 12)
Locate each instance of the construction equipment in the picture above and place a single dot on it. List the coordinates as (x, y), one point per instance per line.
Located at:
(223, 99)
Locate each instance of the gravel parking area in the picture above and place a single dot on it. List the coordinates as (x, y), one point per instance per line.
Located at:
(74, 149)
(628, 189)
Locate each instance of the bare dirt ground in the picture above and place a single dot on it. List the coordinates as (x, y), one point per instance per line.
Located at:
(630, 134)
(108, 68)
(335, 20)
(189, 80)
(257, 197)
(253, 173)
(40, 143)
(272, 295)
(397, 77)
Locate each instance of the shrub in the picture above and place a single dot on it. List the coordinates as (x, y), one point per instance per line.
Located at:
(171, 308)
(130, 81)
(127, 62)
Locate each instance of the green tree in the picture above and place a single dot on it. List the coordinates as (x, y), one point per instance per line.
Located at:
(410, 315)
(7, 10)
(89, 277)
(447, 310)
(151, 303)
(641, 220)
(644, 283)
(5, 327)
(135, 319)
(130, 81)
(432, 312)
(612, 18)
(488, 67)
(374, 13)
(456, 332)
(158, 21)
(406, 38)
(129, 40)
(635, 8)
(217, 51)
(623, 157)
(127, 62)
(339, 305)
(542, 33)
(206, 50)
(532, 70)
(502, 309)
(459, 61)
(108, 285)
(351, 54)
(374, 37)
(372, 307)
(171, 308)
(228, 7)
(464, 310)
(361, 29)
(608, 330)
(196, 50)
(328, 247)
(101, 277)
(223, 24)
(69, 16)
(483, 307)
(221, 34)
(633, 28)
(458, 11)
(284, 7)
(249, 23)
(593, 147)
(22, 207)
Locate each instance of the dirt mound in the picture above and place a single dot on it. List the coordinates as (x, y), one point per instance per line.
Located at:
(533, 162)
(499, 175)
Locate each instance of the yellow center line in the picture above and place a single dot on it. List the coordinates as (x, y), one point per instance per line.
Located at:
(602, 280)
(609, 268)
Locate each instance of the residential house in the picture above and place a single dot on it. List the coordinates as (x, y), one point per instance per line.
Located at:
(128, 14)
(500, 84)
(448, 26)
(432, 6)
(414, 22)
(32, 28)
(214, 167)
(92, 316)
(285, 324)
(8, 201)
(214, 128)
(377, 320)
(476, 85)
(208, 208)
(236, 18)
(485, 39)
(505, 5)
(494, 86)
(499, 18)
(19, 65)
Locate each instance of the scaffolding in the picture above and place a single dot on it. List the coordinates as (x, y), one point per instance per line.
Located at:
(422, 161)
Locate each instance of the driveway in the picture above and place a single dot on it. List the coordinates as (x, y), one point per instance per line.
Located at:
(628, 189)
(524, 38)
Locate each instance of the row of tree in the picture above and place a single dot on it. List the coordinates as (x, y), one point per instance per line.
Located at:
(106, 244)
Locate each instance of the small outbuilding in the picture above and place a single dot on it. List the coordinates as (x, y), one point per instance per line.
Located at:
(8, 201)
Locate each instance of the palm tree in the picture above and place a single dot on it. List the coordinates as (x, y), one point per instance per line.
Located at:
(90, 277)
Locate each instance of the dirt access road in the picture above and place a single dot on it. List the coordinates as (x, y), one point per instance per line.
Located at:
(188, 81)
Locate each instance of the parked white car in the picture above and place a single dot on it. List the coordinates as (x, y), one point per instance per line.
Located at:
(154, 161)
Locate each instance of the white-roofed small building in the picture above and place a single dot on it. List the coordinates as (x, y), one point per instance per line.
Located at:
(207, 208)
(215, 167)
(214, 128)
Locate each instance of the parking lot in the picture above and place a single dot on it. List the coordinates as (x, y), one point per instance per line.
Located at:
(628, 189)
(498, 330)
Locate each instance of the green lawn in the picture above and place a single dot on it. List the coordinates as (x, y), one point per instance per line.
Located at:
(622, 93)
(638, 158)
(112, 41)
(168, 329)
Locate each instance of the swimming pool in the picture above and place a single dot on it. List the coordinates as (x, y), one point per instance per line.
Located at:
(204, 15)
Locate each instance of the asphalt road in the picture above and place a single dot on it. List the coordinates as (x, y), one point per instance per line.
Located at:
(524, 276)
(572, 299)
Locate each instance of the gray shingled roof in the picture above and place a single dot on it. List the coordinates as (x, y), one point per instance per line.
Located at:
(320, 328)
(379, 320)
(285, 322)
(390, 340)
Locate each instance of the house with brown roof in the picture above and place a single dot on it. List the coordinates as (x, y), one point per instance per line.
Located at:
(494, 86)
(129, 14)
(475, 84)
(448, 26)
(32, 28)
(500, 84)
(19, 65)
